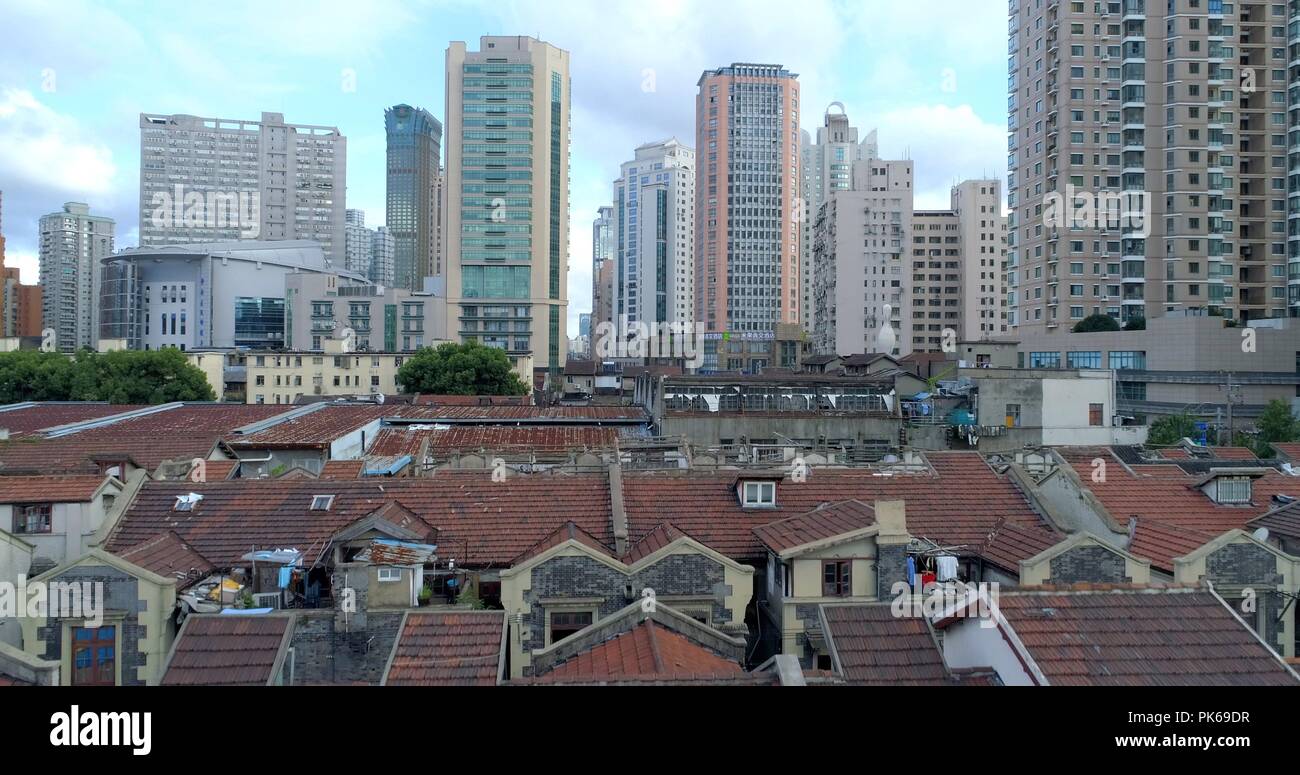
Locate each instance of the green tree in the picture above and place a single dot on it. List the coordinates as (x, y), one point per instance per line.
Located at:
(124, 377)
(468, 369)
(1171, 430)
(1094, 323)
(1276, 425)
(1136, 323)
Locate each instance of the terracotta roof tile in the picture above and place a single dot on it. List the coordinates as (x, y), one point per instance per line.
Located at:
(877, 648)
(564, 533)
(825, 521)
(1009, 545)
(168, 556)
(319, 428)
(1291, 451)
(343, 469)
(455, 648)
(1161, 542)
(480, 522)
(651, 542)
(44, 416)
(646, 651)
(227, 651)
(506, 413)
(49, 489)
(1284, 521)
(1140, 638)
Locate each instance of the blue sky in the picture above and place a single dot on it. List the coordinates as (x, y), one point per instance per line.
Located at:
(930, 75)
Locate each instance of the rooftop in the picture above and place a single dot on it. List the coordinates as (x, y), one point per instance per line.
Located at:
(451, 648)
(228, 651)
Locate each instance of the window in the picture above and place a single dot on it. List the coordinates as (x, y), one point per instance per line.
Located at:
(1013, 415)
(388, 575)
(759, 494)
(32, 518)
(1045, 360)
(1133, 361)
(837, 578)
(1084, 360)
(322, 502)
(566, 623)
(1096, 415)
(1233, 489)
(94, 656)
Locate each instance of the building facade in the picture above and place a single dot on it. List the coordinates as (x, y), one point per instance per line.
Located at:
(654, 234)
(862, 293)
(1172, 118)
(747, 134)
(602, 252)
(225, 295)
(206, 180)
(507, 192)
(827, 165)
(72, 244)
(320, 307)
(958, 266)
(414, 148)
(359, 255)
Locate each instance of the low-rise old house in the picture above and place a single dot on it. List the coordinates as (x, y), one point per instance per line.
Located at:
(58, 516)
(233, 650)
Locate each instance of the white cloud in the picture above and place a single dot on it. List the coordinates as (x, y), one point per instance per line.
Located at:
(947, 144)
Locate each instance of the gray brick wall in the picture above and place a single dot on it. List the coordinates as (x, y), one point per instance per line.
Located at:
(891, 568)
(324, 654)
(584, 577)
(121, 595)
(1089, 565)
(1250, 565)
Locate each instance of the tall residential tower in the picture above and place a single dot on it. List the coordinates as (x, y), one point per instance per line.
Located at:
(505, 235)
(414, 143)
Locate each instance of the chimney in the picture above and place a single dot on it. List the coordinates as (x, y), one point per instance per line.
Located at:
(891, 546)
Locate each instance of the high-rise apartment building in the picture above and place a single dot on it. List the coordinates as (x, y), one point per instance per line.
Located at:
(1147, 161)
(747, 234)
(654, 214)
(958, 262)
(862, 246)
(414, 146)
(603, 251)
(73, 243)
(383, 258)
(360, 244)
(505, 233)
(20, 305)
(205, 180)
(827, 165)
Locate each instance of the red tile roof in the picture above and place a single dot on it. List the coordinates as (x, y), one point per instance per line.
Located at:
(825, 521)
(958, 504)
(447, 400)
(531, 439)
(1290, 451)
(563, 534)
(49, 489)
(397, 441)
(647, 651)
(1164, 493)
(227, 651)
(507, 413)
(343, 469)
(1009, 545)
(319, 428)
(480, 522)
(877, 648)
(182, 433)
(216, 470)
(455, 648)
(168, 556)
(31, 419)
(1140, 638)
(651, 542)
(1161, 542)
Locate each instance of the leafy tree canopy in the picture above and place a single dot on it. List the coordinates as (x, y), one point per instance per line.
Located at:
(1094, 323)
(122, 377)
(1171, 430)
(469, 369)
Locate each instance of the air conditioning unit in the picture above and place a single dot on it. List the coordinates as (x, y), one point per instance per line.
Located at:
(274, 600)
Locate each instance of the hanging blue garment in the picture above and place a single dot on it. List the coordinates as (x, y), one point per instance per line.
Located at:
(286, 575)
(911, 571)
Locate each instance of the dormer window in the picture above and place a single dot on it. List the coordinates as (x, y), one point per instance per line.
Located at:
(322, 502)
(758, 495)
(1232, 489)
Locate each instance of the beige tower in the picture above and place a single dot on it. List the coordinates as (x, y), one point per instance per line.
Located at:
(506, 198)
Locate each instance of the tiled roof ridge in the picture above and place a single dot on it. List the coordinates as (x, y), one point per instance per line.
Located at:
(1089, 588)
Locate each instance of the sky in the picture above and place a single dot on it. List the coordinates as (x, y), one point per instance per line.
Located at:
(928, 75)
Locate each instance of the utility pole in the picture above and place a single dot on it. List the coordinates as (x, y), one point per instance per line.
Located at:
(1234, 397)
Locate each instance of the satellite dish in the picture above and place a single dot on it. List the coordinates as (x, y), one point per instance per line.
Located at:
(1261, 535)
